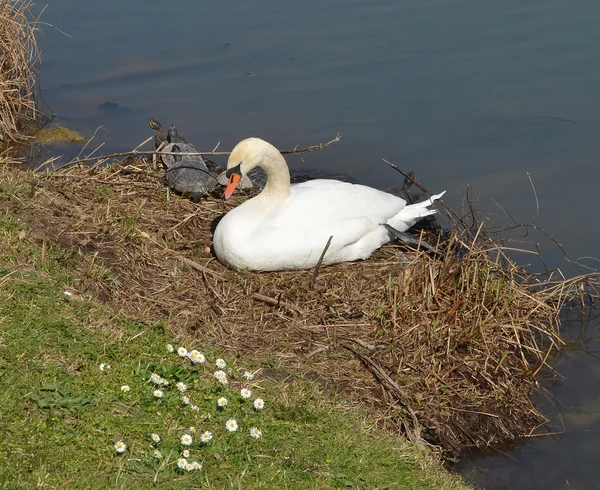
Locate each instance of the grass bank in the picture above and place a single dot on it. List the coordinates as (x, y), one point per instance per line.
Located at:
(445, 351)
(60, 415)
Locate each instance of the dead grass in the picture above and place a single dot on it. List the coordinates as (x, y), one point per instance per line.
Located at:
(19, 56)
(443, 350)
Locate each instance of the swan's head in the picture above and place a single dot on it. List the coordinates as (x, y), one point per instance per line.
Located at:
(246, 155)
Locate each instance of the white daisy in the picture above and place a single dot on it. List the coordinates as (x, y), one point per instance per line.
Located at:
(259, 404)
(223, 381)
(156, 379)
(192, 430)
(220, 363)
(155, 437)
(120, 447)
(104, 367)
(249, 375)
(182, 463)
(186, 453)
(157, 454)
(219, 374)
(170, 348)
(181, 387)
(245, 393)
(196, 465)
(182, 352)
(189, 467)
(186, 440)
(206, 437)
(185, 400)
(158, 393)
(197, 357)
(231, 425)
(164, 382)
(222, 402)
(256, 433)
(125, 388)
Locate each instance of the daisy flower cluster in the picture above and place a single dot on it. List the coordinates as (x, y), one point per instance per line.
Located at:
(225, 406)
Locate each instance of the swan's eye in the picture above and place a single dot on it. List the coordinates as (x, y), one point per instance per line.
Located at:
(234, 170)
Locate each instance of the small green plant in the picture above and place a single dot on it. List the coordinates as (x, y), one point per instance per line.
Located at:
(52, 395)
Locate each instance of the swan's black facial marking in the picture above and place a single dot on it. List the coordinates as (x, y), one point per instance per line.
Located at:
(234, 170)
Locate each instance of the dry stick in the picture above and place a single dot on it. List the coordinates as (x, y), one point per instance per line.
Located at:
(279, 303)
(198, 267)
(204, 269)
(546, 434)
(89, 141)
(319, 262)
(471, 208)
(550, 349)
(100, 181)
(319, 146)
(382, 376)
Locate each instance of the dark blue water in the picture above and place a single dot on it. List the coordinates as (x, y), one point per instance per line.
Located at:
(463, 92)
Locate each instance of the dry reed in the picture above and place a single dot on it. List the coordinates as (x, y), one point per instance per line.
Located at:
(19, 57)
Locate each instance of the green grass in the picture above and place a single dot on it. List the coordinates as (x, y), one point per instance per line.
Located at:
(60, 415)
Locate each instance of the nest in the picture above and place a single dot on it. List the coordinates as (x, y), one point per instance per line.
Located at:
(444, 350)
(19, 114)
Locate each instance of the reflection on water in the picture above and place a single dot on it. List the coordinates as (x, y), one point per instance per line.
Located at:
(459, 93)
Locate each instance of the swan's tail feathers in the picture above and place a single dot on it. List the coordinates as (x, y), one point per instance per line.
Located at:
(413, 213)
(431, 200)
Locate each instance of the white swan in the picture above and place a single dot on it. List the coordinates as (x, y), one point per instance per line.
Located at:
(287, 227)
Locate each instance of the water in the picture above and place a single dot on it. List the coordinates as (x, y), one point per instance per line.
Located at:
(462, 92)
(567, 460)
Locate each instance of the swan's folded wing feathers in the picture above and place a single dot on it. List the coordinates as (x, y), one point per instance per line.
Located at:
(329, 201)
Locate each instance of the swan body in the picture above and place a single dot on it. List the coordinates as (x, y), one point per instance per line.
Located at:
(288, 227)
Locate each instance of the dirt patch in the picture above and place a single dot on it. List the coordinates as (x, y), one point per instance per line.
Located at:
(446, 349)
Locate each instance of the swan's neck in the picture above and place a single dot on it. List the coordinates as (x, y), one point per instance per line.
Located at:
(277, 188)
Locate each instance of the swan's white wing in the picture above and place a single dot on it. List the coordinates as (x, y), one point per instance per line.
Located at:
(329, 202)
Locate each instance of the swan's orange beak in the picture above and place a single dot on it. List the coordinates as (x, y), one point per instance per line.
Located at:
(233, 182)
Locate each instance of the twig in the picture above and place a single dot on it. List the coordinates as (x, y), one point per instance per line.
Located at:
(320, 146)
(423, 188)
(560, 433)
(101, 181)
(198, 267)
(89, 141)
(379, 372)
(142, 143)
(204, 269)
(537, 203)
(319, 262)
(382, 376)
(274, 302)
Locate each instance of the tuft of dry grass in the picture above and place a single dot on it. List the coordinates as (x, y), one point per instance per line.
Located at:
(443, 350)
(19, 56)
